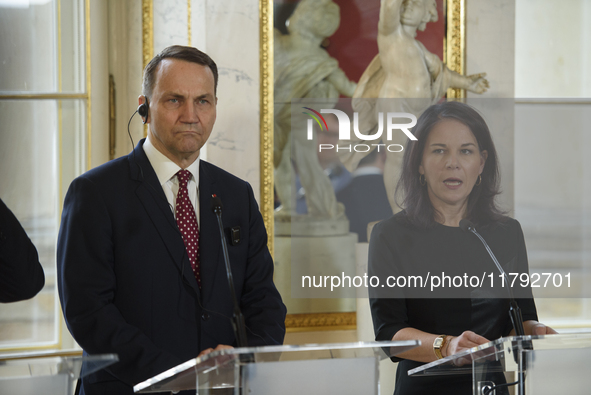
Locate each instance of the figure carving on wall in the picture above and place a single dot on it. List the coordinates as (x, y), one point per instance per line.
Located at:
(303, 69)
(404, 69)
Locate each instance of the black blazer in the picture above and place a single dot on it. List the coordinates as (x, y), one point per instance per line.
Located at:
(21, 274)
(126, 284)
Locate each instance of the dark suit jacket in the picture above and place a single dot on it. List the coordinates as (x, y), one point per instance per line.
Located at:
(365, 201)
(21, 274)
(125, 282)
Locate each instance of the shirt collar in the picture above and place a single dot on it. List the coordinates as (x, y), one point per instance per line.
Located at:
(165, 168)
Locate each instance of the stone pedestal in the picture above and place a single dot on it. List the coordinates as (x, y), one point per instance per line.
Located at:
(321, 258)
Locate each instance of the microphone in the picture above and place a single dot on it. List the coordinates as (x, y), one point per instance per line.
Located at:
(514, 314)
(514, 310)
(237, 319)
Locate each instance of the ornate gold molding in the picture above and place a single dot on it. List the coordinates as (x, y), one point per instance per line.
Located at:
(455, 42)
(266, 117)
(189, 23)
(147, 31)
(147, 37)
(321, 322)
(112, 118)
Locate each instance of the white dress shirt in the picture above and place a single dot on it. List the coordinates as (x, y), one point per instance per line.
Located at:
(166, 172)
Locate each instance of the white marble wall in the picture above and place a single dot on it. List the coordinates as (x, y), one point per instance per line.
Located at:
(232, 36)
(553, 61)
(553, 48)
(199, 24)
(170, 24)
(490, 48)
(490, 44)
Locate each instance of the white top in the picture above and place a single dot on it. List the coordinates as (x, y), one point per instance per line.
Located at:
(166, 172)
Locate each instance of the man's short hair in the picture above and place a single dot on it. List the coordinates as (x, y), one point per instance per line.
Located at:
(188, 54)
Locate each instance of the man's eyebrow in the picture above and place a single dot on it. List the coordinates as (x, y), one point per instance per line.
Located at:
(173, 94)
(179, 95)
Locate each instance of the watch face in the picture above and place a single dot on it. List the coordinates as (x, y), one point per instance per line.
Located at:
(438, 342)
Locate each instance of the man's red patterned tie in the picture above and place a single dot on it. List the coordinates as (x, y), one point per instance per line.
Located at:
(187, 222)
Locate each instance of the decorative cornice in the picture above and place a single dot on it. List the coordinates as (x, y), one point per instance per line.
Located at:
(323, 321)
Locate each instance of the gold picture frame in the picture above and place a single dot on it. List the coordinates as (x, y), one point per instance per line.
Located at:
(454, 57)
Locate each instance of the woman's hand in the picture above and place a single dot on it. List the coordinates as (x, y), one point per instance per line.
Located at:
(534, 328)
(465, 341)
(537, 328)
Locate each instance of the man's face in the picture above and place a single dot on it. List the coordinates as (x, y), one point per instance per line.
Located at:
(182, 110)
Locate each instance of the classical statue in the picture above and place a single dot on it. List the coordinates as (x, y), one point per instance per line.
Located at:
(303, 69)
(404, 69)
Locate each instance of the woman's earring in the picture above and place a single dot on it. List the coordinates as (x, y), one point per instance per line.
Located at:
(479, 180)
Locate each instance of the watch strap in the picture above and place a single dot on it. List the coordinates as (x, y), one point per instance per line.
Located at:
(438, 345)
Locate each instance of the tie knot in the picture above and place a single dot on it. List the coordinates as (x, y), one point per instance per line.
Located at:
(183, 176)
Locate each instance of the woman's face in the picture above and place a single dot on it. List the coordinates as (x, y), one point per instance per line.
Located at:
(451, 164)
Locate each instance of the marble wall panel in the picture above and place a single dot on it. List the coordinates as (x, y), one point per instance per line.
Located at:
(490, 48)
(170, 24)
(232, 40)
(552, 48)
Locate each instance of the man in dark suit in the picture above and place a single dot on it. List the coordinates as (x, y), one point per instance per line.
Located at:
(131, 281)
(21, 273)
(365, 197)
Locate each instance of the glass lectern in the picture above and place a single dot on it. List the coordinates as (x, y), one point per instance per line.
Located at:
(46, 373)
(540, 365)
(348, 368)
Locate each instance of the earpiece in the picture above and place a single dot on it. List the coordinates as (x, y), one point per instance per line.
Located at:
(143, 110)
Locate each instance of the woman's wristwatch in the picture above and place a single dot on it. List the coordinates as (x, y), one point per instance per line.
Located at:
(439, 344)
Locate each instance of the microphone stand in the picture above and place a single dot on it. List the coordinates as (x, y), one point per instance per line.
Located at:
(514, 310)
(238, 319)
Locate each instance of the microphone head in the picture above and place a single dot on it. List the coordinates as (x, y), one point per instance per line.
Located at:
(466, 225)
(216, 204)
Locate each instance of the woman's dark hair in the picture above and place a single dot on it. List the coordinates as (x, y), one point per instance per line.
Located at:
(482, 209)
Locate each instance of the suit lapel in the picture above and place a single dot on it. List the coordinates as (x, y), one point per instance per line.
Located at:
(209, 234)
(152, 197)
